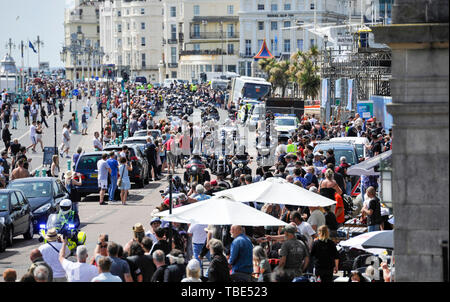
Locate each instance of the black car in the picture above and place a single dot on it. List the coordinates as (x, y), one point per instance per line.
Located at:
(139, 175)
(3, 241)
(15, 214)
(44, 195)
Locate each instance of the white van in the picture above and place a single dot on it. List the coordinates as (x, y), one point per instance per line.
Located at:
(168, 82)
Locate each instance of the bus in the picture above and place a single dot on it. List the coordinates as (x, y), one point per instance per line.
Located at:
(247, 88)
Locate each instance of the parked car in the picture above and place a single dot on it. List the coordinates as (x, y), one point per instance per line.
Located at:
(340, 149)
(87, 168)
(139, 174)
(135, 140)
(361, 144)
(155, 133)
(3, 242)
(16, 215)
(44, 195)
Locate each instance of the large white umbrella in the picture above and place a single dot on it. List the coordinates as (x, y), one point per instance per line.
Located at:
(277, 190)
(220, 211)
(358, 241)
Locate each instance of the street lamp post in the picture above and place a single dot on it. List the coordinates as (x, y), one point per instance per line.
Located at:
(170, 209)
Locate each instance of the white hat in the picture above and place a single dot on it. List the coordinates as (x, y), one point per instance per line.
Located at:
(193, 265)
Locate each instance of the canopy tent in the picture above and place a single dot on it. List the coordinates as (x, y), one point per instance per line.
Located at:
(367, 167)
(264, 52)
(276, 190)
(220, 211)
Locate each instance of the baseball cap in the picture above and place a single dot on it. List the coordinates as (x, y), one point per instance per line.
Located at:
(155, 219)
(290, 229)
(317, 154)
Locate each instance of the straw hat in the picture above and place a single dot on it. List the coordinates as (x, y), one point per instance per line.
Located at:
(138, 228)
(68, 174)
(52, 235)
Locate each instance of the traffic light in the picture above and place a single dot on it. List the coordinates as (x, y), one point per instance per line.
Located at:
(125, 76)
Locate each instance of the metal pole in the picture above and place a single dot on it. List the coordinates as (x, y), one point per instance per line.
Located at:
(170, 210)
(222, 46)
(54, 122)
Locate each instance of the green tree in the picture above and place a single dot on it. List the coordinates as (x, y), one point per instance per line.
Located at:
(279, 75)
(266, 65)
(304, 71)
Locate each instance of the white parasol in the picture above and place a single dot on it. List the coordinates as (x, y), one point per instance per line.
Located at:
(277, 190)
(220, 211)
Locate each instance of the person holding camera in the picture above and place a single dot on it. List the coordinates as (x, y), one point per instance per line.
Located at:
(50, 254)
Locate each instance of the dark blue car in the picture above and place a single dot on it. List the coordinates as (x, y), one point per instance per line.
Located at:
(87, 167)
(44, 195)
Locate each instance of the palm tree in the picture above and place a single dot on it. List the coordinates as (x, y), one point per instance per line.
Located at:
(304, 71)
(279, 75)
(266, 65)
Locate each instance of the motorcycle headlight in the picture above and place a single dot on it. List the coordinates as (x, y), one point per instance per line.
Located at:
(42, 226)
(194, 168)
(43, 208)
(240, 165)
(71, 226)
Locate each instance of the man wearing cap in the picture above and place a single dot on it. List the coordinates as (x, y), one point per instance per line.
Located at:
(50, 254)
(241, 255)
(294, 254)
(155, 223)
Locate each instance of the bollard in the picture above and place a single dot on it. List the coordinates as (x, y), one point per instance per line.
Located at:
(69, 165)
(36, 173)
(44, 172)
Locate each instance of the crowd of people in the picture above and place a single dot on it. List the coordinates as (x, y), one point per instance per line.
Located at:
(304, 249)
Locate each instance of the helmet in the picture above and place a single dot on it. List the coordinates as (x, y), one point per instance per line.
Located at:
(65, 206)
(177, 180)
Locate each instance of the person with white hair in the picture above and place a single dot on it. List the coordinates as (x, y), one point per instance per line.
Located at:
(175, 272)
(200, 189)
(79, 271)
(40, 273)
(193, 271)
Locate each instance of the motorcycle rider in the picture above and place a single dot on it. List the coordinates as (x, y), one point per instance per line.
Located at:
(67, 215)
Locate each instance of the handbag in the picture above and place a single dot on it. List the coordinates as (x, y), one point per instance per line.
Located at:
(119, 181)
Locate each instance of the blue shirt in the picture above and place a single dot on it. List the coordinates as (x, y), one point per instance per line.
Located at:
(302, 180)
(241, 255)
(201, 197)
(114, 165)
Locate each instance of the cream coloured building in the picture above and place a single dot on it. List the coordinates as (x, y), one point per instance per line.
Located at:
(131, 34)
(81, 49)
(200, 36)
(271, 20)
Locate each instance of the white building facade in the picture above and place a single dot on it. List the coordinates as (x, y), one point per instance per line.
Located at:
(273, 20)
(130, 33)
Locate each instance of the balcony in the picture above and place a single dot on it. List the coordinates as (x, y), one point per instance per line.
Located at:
(214, 35)
(172, 65)
(204, 52)
(245, 55)
(172, 41)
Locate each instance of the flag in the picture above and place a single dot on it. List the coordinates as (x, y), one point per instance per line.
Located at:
(350, 94)
(30, 45)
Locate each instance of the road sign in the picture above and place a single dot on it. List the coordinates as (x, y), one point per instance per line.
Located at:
(75, 92)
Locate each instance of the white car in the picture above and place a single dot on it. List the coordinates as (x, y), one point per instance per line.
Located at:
(286, 124)
(361, 144)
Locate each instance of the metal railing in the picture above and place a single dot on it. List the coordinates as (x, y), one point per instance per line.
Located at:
(214, 35)
(205, 52)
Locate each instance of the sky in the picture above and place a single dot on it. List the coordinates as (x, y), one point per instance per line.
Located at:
(25, 20)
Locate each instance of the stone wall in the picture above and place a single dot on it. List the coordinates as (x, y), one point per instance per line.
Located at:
(420, 160)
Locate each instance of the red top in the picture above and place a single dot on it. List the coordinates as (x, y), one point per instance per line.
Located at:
(339, 204)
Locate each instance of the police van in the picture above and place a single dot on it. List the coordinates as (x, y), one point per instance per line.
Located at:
(286, 124)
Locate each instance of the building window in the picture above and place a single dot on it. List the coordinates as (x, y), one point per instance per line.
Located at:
(173, 31)
(287, 6)
(287, 23)
(260, 25)
(218, 68)
(129, 41)
(173, 11)
(249, 68)
(248, 47)
(79, 29)
(311, 43)
(173, 74)
(208, 68)
(231, 68)
(287, 45)
(119, 14)
(273, 46)
(128, 12)
(142, 25)
(119, 28)
(197, 47)
(142, 11)
(230, 49)
(274, 25)
(119, 43)
(134, 25)
(119, 59)
(300, 44)
(98, 29)
(230, 30)
(143, 60)
(312, 6)
(260, 42)
(274, 7)
(143, 41)
(173, 54)
(230, 9)
(196, 31)
(196, 10)
(260, 6)
(128, 26)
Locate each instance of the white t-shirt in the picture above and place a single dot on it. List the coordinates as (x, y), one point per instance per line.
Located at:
(79, 272)
(198, 233)
(97, 144)
(66, 135)
(106, 277)
(102, 167)
(32, 130)
(317, 218)
(306, 230)
(52, 258)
